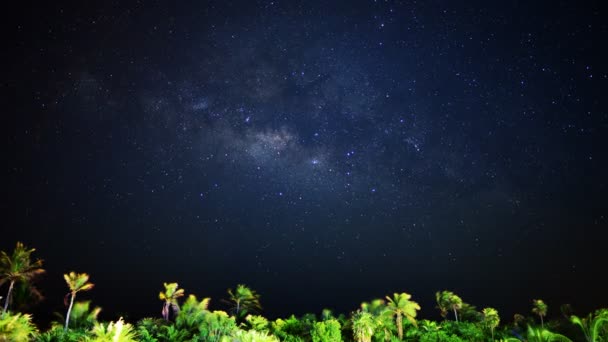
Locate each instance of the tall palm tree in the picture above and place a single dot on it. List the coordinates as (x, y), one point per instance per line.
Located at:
(540, 308)
(401, 306)
(169, 297)
(490, 319)
(448, 300)
(244, 300)
(442, 304)
(18, 268)
(363, 326)
(76, 282)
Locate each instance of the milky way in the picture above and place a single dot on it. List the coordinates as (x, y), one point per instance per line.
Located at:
(365, 147)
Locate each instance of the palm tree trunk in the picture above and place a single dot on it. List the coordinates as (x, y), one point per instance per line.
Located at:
(165, 311)
(455, 314)
(8, 296)
(67, 317)
(542, 324)
(400, 326)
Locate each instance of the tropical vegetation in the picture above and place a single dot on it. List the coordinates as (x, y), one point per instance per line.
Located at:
(186, 318)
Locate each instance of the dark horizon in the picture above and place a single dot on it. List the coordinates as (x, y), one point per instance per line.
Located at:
(322, 154)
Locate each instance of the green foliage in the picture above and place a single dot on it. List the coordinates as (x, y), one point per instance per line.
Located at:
(216, 325)
(118, 331)
(326, 331)
(469, 313)
(258, 323)
(244, 301)
(363, 326)
(240, 335)
(171, 293)
(18, 268)
(25, 295)
(82, 316)
(78, 282)
(428, 326)
(439, 336)
(146, 336)
(544, 335)
(173, 334)
(150, 329)
(593, 326)
(466, 330)
(291, 329)
(192, 314)
(430, 331)
(384, 324)
(390, 320)
(16, 327)
(58, 334)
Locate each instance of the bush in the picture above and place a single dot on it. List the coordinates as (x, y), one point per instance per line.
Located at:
(327, 331)
(16, 327)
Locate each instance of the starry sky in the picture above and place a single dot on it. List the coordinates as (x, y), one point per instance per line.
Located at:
(322, 152)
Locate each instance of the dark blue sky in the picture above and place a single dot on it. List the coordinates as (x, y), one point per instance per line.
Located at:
(323, 153)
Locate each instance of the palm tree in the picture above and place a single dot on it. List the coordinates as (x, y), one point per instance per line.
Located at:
(383, 319)
(327, 314)
(518, 319)
(468, 312)
(170, 296)
(82, 315)
(363, 326)
(18, 268)
(448, 300)
(399, 306)
(592, 324)
(244, 300)
(442, 304)
(540, 308)
(491, 319)
(76, 282)
(566, 310)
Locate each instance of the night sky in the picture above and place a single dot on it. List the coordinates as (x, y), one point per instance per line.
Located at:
(323, 153)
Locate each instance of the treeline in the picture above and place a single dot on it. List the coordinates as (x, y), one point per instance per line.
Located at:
(187, 318)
